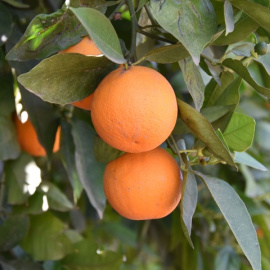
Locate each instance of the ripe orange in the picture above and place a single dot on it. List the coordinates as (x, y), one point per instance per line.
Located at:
(28, 139)
(87, 47)
(143, 186)
(134, 110)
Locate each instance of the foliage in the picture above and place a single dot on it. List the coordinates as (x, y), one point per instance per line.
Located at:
(53, 209)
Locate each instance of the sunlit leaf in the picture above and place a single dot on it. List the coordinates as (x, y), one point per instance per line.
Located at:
(101, 32)
(237, 217)
(239, 133)
(65, 78)
(12, 231)
(204, 131)
(246, 159)
(187, 21)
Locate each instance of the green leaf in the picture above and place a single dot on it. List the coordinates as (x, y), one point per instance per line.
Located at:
(241, 49)
(15, 4)
(46, 239)
(213, 91)
(193, 80)
(204, 131)
(90, 171)
(228, 15)
(23, 177)
(238, 67)
(240, 131)
(5, 24)
(237, 217)
(101, 32)
(65, 78)
(12, 231)
(189, 198)
(57, 200)
(227, 259)
(246, 159)
(104, 152)
(213, 113)
(187, 21)
(100, 5)
(47, 34)
(68, 157)
(242, 29)
(166, 54)
(86, 257)
(9, 147)
(141, 4)
(257, 12)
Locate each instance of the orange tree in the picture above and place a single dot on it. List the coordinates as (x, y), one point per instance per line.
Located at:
(214, 54)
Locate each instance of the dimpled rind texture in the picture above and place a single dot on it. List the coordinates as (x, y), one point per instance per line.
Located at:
(134, 110)
(143, 186)
(28, 139)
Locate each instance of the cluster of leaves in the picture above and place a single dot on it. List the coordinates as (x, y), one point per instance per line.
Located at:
(51, 208)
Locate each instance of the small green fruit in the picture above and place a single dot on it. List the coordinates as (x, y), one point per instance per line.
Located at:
(261, 48)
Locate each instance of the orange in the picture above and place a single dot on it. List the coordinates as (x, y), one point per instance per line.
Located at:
(87, 47)
(28, 139)
(134, 110)
(143, 186)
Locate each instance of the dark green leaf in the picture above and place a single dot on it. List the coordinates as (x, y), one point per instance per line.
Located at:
(228, 15)
(86, 257)
(237, 216)
(187, 21)
(100, 5)
(23, 176)
(68, 157)
(239, 133)
(245, 159)
(15, 4)
(104, 152)
(166, 54)
(227, 259)
(257, 12)
(194, 81)
(101, 32)
(204, 131)
(12, 231)
(90, 171)
(57, 200)
(65, 78)
(46, 239)
(243, 72)
(5, 24)
(46, 35)
(9, 147)
(242, 29)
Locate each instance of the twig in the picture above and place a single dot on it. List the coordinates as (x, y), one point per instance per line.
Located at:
(155, 37)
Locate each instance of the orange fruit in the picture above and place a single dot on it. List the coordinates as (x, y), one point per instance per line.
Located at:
(87, 47)
(28, 139)
(134, 110)
(143, 186)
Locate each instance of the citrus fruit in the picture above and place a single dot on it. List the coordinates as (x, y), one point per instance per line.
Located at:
(87, 47)
(28, 139)
(261, 48)
(144, 185)
(134, 110)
